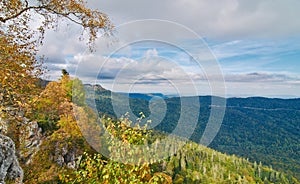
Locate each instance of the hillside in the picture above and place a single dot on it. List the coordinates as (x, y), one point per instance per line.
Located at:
(56, 147)
(166, 159)
(257, 128)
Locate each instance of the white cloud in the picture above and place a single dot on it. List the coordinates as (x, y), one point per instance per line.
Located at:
(227, 18)
(151, 73)
(151, 53)
(232, 20)
(260, 77)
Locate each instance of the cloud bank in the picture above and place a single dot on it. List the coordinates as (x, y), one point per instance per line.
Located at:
(256, 43)
(224, 19)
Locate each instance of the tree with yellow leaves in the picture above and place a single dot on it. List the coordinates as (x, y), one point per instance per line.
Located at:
(19, 42)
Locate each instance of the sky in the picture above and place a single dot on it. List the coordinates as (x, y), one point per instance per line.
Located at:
(231, 48)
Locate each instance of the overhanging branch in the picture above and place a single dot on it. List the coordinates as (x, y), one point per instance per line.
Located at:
(4, 19)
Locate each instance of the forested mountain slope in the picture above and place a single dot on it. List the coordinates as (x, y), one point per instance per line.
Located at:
(261, 129)
(65, 154)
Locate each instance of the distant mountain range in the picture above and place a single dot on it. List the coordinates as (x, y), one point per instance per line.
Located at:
(261, 129)
(145, 96)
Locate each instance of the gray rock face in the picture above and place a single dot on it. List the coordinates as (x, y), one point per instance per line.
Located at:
(3, 125)
(9, 165)
(30, 135)
(30, 139)
(66, 156)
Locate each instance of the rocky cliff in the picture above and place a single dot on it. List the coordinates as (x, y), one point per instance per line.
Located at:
(9, 165)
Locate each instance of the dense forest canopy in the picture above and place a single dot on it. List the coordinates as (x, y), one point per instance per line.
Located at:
(261, 129)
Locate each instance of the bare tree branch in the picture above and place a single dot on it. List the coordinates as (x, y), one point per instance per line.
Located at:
(21, 12)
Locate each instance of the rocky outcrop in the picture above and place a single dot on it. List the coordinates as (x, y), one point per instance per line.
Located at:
(30, 139)
(3, 125)
(66, 156)
(9, 165)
